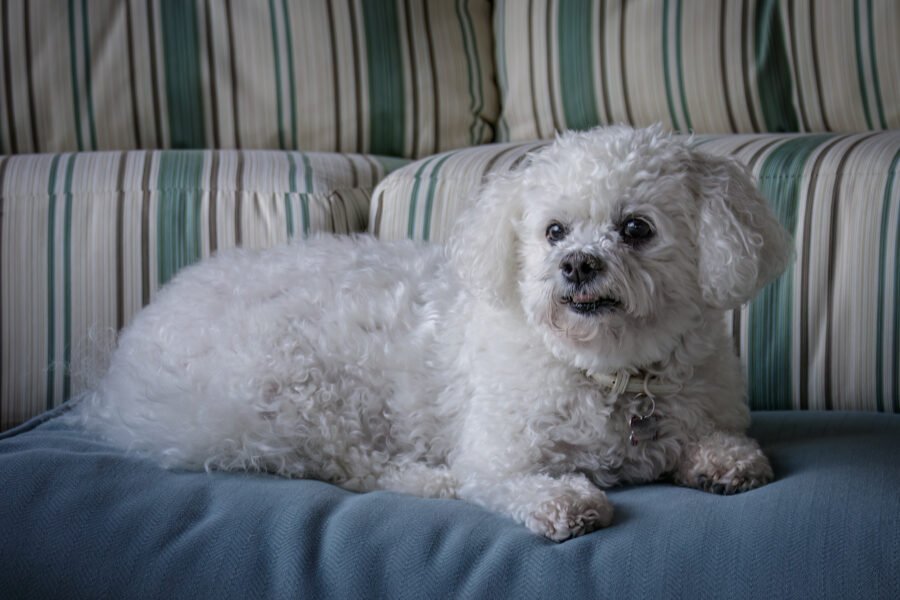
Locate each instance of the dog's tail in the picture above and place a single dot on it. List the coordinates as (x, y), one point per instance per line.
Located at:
(91, 357)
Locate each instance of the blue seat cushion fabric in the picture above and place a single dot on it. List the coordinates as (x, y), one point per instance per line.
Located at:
(80, 519)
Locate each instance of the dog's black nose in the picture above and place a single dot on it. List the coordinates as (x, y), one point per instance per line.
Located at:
(579, 268)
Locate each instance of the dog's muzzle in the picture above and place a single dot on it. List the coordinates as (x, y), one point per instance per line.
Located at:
(580, 270)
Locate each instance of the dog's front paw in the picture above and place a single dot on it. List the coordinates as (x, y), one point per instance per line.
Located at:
(740, 478)
(571, 515)
(725, 464)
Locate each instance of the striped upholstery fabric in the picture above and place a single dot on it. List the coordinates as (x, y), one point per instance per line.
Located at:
(399, 78)
(87, 239)
(708, 67)
(826, 335)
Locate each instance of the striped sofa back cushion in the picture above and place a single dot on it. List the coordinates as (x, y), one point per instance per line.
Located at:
(87, 239)
(707, 67)
(825, 335)
(401, 78)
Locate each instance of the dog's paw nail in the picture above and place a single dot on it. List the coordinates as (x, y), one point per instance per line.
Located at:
(563, 519)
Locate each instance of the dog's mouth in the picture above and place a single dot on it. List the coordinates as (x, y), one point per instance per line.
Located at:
(587, 304)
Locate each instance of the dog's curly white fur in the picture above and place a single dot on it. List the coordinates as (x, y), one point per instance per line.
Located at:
(464, 371)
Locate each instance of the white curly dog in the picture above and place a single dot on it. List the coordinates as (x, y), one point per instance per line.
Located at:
(571, 337)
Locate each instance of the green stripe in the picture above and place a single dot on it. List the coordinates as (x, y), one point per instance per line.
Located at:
(429, 199)
(289, 46)
(860, 75)
(882, 303)
(292, 190)
(670, 100)
(276, 53)
(307, 173)
(385, 69)
(86, 34)
(184, 99)
(896, 349)
(51, 288)
(67, 280)
(413, 199)
(576, 69)
(680, 62)
(769, 371)
(876, 81)
(390, 164)
(178, 229)
(304, 198)
(499, 23)
(476, 93)
(773, 76)
(73, 69)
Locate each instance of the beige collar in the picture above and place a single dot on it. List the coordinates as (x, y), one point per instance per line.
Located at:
(643, 426)
(632, 383)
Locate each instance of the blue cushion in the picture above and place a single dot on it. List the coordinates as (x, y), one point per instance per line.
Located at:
(80, 519)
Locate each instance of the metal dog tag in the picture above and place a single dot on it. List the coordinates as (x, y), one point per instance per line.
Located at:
(643, 429)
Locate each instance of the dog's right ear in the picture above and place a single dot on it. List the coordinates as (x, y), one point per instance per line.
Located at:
(484, 243)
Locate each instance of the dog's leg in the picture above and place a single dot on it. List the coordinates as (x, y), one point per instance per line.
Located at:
(724, 463)
(419, 479)
(556, 507)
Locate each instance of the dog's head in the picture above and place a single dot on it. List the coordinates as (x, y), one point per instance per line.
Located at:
(615, 242)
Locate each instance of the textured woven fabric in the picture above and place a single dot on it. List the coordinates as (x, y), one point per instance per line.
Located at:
(87, 239)
(826, 335)
(379, 76)
(707, 67)
(80, 520)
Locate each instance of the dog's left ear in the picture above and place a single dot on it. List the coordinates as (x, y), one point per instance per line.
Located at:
(483, 245)
(742, 245)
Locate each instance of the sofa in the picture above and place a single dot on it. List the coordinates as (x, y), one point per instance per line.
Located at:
(140, 137)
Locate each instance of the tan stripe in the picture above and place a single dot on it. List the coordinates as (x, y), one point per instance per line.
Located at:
(816, 67)
(532, 75)
(354, 177)
(154, 74)
(436, 116)
(32, 117)
(129, 43)
(5, 278)
(489, 164)
(120, 244)
(414, 104)
(764, 149)
(357, 66)
(748, 63)
(213, 86)
(374, 170)
(600, 54)
(805, 275)
(238, 200)
(552, 78)
(236, 112)
(798, 88)
(8, 84)
(629, 118)
(375, 226)
(336, 79)
(723, 64)
(832, 244)
(336, 199)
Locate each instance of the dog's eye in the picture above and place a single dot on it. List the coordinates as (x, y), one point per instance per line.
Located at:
(636, 229)
(555, 232)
